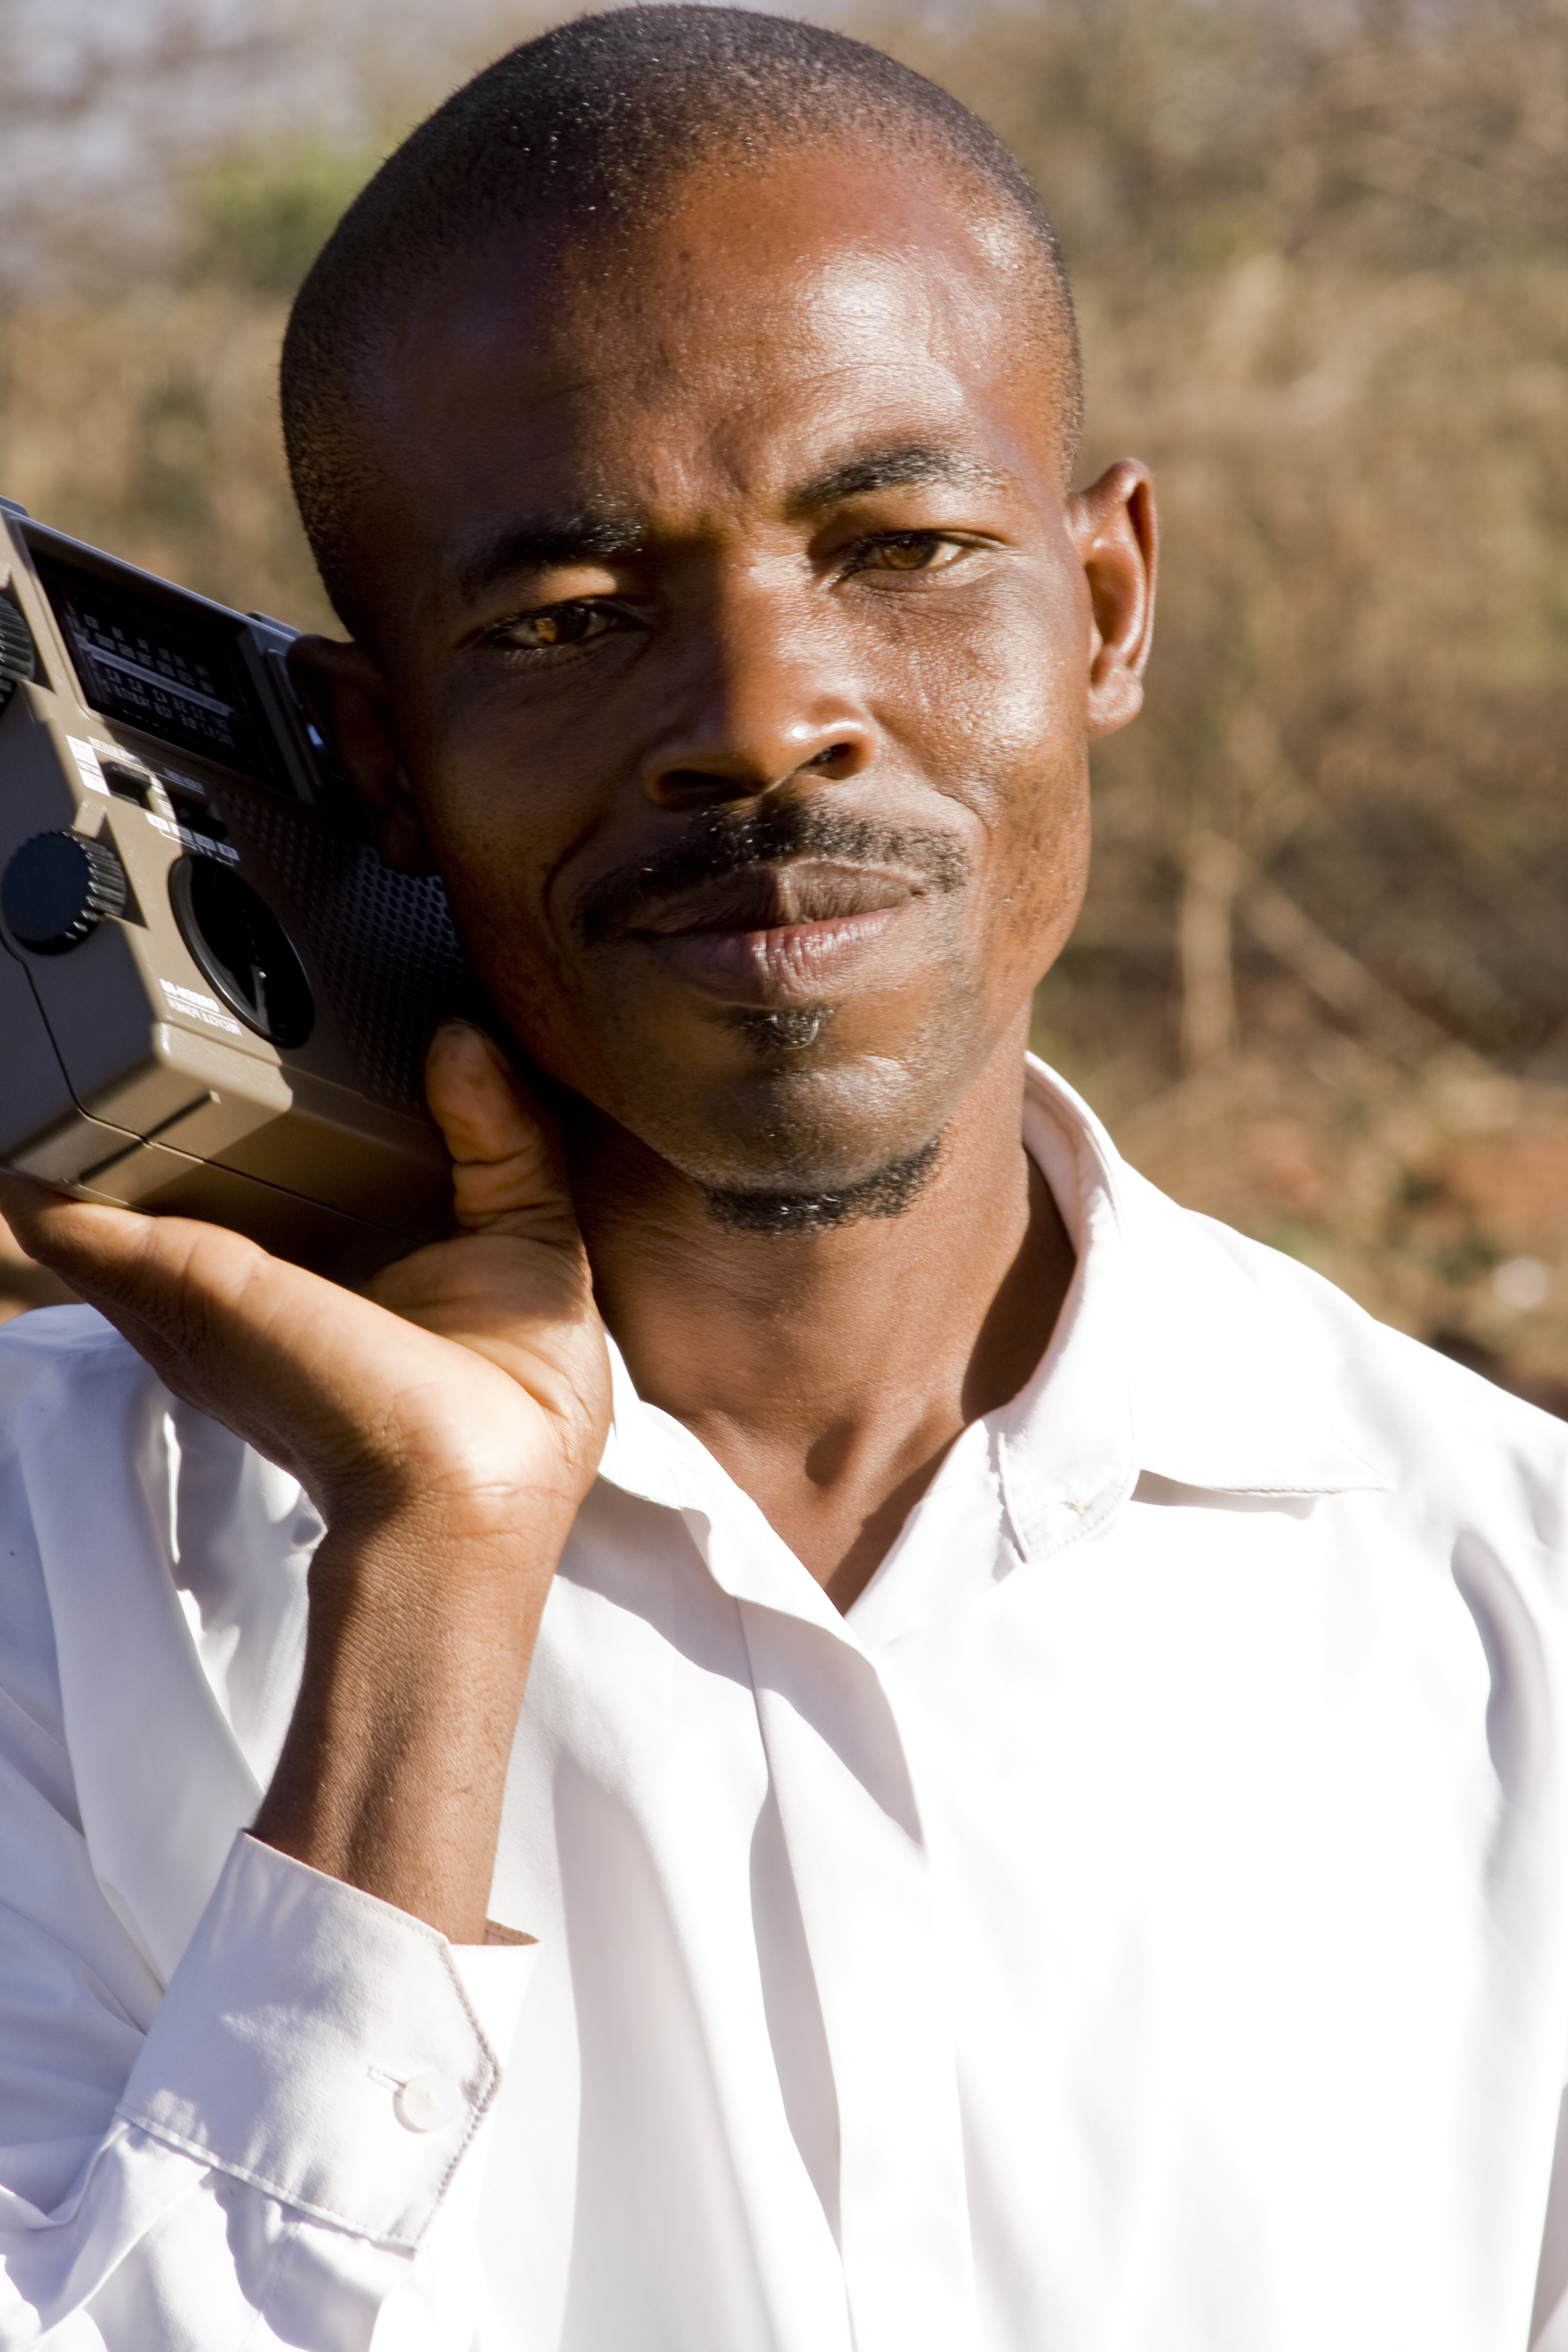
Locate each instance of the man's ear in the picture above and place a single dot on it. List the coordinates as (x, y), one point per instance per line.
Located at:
(1114, 529)
(342, 689)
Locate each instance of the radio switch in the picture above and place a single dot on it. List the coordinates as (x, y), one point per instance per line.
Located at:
(59, 888)
(196, 816)
(126, 780)
(17, 660)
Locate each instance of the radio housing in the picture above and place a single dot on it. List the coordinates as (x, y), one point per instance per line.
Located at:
(214, 998)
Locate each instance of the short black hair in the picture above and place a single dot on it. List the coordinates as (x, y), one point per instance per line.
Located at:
(588, 127)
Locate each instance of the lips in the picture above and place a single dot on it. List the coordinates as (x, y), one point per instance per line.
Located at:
(779, 935)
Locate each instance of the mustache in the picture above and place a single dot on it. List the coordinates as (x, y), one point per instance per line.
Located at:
(722, 844)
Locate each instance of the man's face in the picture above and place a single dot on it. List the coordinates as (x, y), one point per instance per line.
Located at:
(738, 649)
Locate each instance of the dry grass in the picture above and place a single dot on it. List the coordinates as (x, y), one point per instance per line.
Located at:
(151, 427)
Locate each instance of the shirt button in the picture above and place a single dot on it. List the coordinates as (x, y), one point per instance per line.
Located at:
(425, 2102)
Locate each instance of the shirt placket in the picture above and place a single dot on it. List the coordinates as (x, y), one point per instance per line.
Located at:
(851, 1820)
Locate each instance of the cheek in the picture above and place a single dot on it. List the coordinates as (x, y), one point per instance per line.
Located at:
(499, 839)
(1001, 712)
(500, 804)
(1039, 847)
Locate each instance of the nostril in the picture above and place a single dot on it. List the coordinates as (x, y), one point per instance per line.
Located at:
(692, 789)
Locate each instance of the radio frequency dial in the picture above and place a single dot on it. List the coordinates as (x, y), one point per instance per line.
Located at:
(240, 946)
(57, 888)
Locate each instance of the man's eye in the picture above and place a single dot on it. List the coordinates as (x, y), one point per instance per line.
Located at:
(911, 550)
(557, 624)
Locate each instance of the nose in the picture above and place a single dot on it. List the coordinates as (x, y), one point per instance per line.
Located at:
(769, 701)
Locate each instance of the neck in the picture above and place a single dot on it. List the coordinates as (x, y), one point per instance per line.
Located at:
(830, 1372)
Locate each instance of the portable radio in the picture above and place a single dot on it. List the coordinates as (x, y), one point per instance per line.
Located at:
(214, 998)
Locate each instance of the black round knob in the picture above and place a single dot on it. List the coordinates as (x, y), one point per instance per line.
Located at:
(57, 888)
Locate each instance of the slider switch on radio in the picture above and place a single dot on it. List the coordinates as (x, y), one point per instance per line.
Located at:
(57, 888)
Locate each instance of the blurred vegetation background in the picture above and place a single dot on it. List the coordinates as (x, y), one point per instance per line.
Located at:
(1320, 252)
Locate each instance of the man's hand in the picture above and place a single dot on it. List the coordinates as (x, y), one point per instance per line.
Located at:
(448, 1424)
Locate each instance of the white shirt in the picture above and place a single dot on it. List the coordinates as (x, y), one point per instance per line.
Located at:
(1140, 1925)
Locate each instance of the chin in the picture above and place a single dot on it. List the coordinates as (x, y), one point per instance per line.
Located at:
(789, 1120)
(886, 1192)
(795, 1143)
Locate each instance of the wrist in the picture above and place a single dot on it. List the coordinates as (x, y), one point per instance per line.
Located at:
(422, 1624)
(394, 1769)
(446, 1500)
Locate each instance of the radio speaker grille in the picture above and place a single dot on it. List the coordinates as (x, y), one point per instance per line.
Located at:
(383, 943)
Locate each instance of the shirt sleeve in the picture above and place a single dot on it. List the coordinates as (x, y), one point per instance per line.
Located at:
(293, 2144)
(1549, 2322)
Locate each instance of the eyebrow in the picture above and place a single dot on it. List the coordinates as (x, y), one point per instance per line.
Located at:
(549, 541)
(908, 465)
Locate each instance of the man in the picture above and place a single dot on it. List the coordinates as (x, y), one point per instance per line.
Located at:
(1036, 1817)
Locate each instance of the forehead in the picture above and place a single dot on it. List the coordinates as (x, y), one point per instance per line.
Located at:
(757, 324)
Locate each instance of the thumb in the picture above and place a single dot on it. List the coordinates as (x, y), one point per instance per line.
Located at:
(509, 1170)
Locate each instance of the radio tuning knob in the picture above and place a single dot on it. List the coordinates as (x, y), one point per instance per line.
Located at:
(57, 888)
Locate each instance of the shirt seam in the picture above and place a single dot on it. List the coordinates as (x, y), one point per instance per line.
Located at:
(398, 2239)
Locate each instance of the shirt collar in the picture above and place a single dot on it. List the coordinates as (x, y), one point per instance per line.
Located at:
(650, 1454)
(1167, 1357)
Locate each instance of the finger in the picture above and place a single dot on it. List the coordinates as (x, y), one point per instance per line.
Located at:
(197, 1300)
(509, 1171)
(165, 1282)
(315, 1376)
(168, 1284)
(94, 1247)
(128, 1266)
(21, 1203)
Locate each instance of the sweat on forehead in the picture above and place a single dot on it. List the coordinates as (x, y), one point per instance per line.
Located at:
(588, 131)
